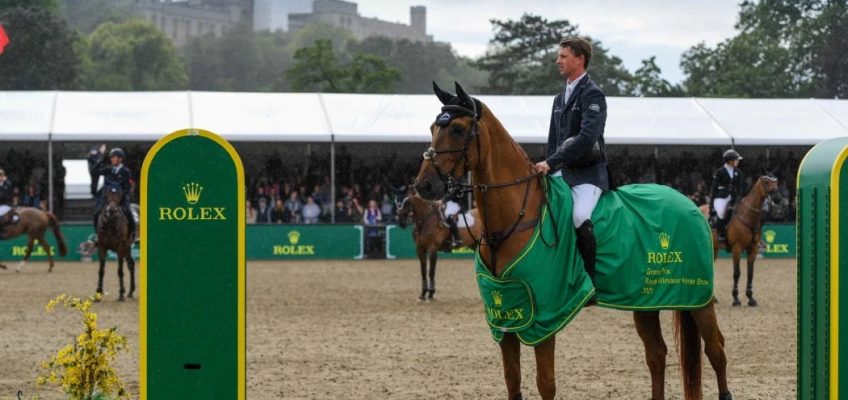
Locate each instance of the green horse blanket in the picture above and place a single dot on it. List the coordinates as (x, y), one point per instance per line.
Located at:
(654, 252)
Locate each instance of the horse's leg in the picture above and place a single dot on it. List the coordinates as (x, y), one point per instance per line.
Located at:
(422, 259)
(707, 323)
(650, 331)
(736, 256)
(23, 262)
(101, 255)
(121, 256)
(46, 248)
(431, 285)
(511, 354)
(545, 371)
(749, 288)
(131, 267)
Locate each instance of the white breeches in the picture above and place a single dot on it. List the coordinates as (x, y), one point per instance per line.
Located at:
(720, 206)
(585, 199)
(451, 208)
(4, 209)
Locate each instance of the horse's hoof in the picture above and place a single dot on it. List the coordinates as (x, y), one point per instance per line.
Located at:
(121, 298)
(725, 396)
(752, 303)
(736, 303)
(2, 266)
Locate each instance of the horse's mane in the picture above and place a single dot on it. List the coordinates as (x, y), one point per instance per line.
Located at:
(486, 112)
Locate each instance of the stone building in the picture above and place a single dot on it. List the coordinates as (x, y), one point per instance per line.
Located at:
(344, 14)
(181, 20)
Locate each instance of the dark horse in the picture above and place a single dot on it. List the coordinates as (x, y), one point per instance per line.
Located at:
(113, 233)
(34, 223)
(508, 194)
(431, 236)
(743, 232)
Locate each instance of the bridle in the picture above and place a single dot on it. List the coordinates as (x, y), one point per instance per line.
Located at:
(455, 187)
(757, 209)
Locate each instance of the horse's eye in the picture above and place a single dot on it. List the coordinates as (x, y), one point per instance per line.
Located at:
(457, 130)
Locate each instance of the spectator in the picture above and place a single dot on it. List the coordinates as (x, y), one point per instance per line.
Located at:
(6, 190)
(294, 208)
(260, 195)
(279, 214)
(356, 211)
(31, 198)
(387, 208)
(263, 212)
(342, 212)
(371, 218)
(311, 211)
(249, 213)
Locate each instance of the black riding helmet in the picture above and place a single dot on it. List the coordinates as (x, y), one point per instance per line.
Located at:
(117, 151)
(731, 155)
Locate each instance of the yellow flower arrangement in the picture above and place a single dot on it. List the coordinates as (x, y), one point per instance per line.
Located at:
(84, 368)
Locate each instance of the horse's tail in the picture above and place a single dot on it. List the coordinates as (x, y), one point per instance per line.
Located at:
(54, 222)
(689, 348)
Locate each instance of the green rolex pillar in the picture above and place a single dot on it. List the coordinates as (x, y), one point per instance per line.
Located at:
(192, 305)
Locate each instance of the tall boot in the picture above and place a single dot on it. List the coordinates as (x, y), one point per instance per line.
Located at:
(130, 223)
(587, 247)
(455, 240)
(721, 229)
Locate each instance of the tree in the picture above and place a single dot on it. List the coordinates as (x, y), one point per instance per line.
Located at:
(240, 60)
(522, 58)
(784, 48)
(47, 5)
(318, 69)
(40, 54)
(648, 82)
(133, 55)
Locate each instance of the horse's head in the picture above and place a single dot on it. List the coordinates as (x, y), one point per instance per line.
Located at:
(767, 184)
(403, 210)
(114, 194)
(455, 146)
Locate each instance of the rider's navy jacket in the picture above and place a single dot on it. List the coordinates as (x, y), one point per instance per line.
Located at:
(119, 176)
(583, 118)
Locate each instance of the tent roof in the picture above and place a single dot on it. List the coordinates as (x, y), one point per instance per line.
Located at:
(317, 117)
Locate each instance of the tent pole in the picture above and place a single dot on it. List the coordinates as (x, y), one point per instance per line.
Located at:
(50, 153)
(333, 180)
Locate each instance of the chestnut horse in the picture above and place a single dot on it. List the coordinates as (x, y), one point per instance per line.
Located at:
(113, 233)
(431, 236)
(509, 194)
(743, 232)
(34, 223)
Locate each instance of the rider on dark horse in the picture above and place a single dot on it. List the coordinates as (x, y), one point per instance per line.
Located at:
(725, 192)
(116, 175)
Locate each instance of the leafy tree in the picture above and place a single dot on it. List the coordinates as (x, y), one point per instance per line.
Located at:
(522, 58)
(318, 69)
(48, 5)
(133, 55)
(648, 82)
(40, 54)
(784, 48)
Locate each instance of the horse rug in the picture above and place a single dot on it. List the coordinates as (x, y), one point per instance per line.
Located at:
(654, 252)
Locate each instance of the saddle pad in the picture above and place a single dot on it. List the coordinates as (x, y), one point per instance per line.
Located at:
(654, 252)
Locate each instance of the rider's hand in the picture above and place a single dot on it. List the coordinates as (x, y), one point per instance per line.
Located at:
(542, 167)
(102, 148)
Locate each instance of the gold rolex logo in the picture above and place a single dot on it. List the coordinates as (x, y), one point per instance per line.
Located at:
(770, 235)
(497, 298)
(294, 237)
(664, 240)
(192, 192)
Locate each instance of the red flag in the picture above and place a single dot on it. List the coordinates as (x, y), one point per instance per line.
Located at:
(4, 40)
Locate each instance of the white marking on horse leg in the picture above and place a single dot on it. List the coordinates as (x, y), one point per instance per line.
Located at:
(20, 266)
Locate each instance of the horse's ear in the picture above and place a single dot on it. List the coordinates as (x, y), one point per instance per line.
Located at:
(443, 96)
(464, 98)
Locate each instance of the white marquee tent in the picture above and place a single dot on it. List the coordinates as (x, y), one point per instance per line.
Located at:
(50, 116)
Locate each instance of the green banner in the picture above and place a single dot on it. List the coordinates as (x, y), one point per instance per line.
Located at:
(192, 335)
(304, 242)
(400, 244)
(777, 241)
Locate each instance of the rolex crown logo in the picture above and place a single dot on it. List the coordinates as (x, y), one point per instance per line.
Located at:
(770, 235)
(664, 240)
(497, 298)
(192, 192)
(294, 237)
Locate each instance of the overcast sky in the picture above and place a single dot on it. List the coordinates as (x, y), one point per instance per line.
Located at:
(632, 30)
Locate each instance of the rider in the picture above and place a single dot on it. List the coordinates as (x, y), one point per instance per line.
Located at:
(6, 194)
(115, 174)
(725, 192)
(450, 209)
(575, 149)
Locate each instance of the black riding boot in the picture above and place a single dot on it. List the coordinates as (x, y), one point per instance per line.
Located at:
(721, 228)
(455, 240)
(586, 245)
(130, 222)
